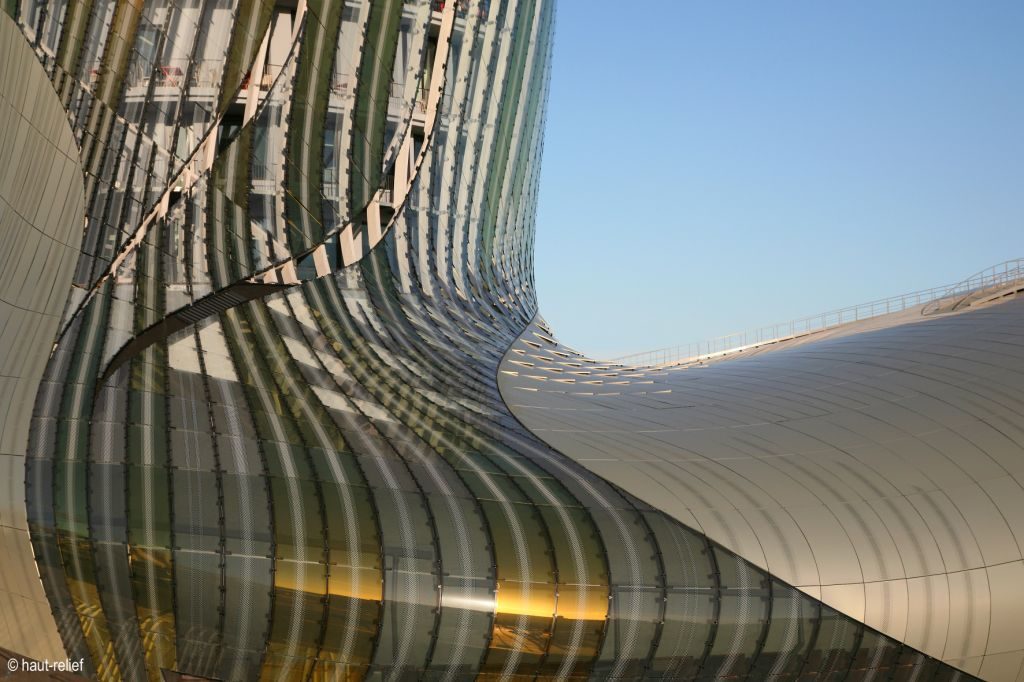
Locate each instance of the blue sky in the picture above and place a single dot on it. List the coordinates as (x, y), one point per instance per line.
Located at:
(715, 166)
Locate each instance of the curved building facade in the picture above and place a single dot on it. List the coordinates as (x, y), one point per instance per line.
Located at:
(41, 214)
(300, 419)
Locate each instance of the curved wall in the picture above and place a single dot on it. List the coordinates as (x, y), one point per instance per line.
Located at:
(880, 471)
(270, 442)
(41, 210)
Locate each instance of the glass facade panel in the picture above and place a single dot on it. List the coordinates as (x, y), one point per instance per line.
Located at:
(272, 439)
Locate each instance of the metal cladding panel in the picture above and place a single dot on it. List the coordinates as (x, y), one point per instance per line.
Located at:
(41, 209)
(879, 468)
(269, 441)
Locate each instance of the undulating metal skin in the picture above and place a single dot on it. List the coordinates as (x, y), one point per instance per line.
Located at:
(269, 442)
(39, 240)
(877, 466)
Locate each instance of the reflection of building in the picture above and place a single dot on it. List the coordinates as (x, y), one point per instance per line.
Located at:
(270, 440)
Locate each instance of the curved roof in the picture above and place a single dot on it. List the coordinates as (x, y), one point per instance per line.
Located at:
(879, 470)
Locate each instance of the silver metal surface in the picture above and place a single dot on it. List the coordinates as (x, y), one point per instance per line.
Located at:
(41, 209)
(880, 471)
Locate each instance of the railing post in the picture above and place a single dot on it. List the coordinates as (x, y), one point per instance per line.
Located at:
(1007, 271)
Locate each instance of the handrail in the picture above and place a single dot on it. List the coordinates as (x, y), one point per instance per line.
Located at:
(1006, 271)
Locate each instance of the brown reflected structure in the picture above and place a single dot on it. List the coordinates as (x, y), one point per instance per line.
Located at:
(263, 431)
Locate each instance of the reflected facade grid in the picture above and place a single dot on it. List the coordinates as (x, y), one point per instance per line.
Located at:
(281, 405)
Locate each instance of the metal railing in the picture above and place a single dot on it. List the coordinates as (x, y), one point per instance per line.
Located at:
(1002, 273)
(343, 84)
(174, 73)
(1008, 271)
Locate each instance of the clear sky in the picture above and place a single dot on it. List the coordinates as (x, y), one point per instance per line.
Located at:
(714, 166)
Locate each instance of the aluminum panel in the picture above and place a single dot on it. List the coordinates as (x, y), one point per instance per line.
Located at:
(895, 472)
